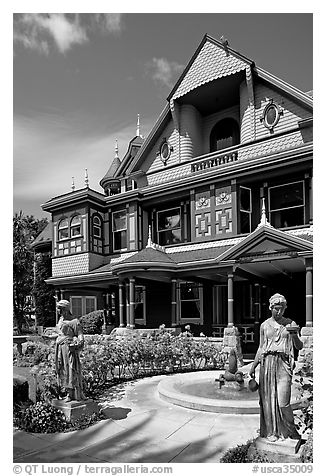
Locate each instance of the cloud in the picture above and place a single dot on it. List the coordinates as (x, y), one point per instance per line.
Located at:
(50, 149)
(109, 22)
(164, 71)
(38, 31)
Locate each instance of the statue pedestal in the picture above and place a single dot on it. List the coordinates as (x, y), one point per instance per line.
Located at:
(75, 409)
(281, 451)
(232, 340)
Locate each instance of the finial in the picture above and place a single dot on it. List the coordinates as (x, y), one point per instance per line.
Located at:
(138, 126)
(73, 184)
(224, 41)
(263, 219)
(116, 149)
(149, 241)
(150, 244)
(86, 178)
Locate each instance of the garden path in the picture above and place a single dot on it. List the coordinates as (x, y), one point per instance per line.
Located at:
(140, 428)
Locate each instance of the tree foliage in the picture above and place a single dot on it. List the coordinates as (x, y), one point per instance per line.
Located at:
(42, 292)
(25, 230)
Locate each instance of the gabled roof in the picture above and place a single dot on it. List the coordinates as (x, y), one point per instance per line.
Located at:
(44, 239)
(212, 60)
(266, 240)
(135, 143)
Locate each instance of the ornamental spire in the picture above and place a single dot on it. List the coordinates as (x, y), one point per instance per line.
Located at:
(86, 178)
(263, 219)
(73, 184)
(116, 149)
(150, 243)
(138, 127)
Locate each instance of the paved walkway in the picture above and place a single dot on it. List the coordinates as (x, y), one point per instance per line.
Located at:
(141, 428)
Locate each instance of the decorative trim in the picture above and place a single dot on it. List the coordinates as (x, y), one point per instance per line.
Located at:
(164, 152)
(278, 113)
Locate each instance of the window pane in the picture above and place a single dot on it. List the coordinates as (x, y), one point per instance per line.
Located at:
(120, 240)
(189, 291)
(168, 219)
(169, 237)
(190, 310)
(119, 221)
(244, 222)
(90, 305)
(245, 199)
(63, 234)
(289, 217)
(97, 231)
(63, 223)
(76, 306)
(76, 220)
(271, 115)
(96, 220)
(285, 196)
(76, 230)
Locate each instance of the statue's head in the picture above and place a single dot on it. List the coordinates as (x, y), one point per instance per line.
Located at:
(277, 300)
(63, 306)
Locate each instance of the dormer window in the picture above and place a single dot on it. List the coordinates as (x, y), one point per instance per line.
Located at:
(224, 134)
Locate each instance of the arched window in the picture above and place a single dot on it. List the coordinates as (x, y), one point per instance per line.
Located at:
(63, 231)
(97, 227)
(75, 226)
(97, 235)
(224, 134)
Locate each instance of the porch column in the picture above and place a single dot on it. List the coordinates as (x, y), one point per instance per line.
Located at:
(230, 300)
(127, 304)
(132, 303)
(257, 310)
(121, 305)
(174, 302)
(309, 295)
(57, 299)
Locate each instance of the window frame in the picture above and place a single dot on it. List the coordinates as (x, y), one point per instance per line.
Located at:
(142, 320)
(168, 229)
(303, 205)
(83, 304)
(72, 226)
(97, 240)
(120, 230)
(185, 320)
(60, 228)
(245, 211)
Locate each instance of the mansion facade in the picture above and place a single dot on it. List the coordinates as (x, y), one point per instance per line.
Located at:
(202, 221)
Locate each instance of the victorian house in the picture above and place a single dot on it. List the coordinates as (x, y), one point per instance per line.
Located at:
(201, 221)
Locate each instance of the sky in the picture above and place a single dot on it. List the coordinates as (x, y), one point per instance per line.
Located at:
(79, 81)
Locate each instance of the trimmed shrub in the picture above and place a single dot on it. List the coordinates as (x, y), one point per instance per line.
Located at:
(92, 323)
(245, 453)
(41, 417)
(307, 452)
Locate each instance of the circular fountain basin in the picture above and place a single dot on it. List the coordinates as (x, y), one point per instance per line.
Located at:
(200, 391)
